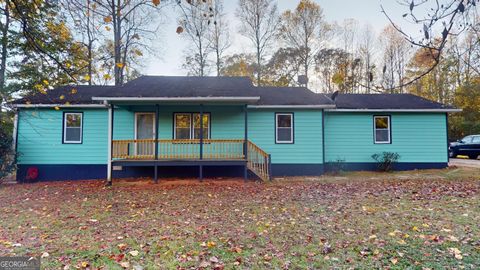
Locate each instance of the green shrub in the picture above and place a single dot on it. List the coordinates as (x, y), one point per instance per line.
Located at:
(7, 155)
(386, 160)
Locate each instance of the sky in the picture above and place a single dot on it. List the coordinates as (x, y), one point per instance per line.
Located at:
(171, 46)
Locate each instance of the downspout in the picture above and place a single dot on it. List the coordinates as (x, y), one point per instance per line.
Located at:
(15, 131)
(448, 141)
(323, 139)
(109, 152)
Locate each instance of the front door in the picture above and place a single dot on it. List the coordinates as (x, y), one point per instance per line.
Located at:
(144, 130)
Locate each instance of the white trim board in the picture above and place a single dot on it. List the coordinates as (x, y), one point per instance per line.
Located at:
(291, 106)
(393, 110)
(103, 106)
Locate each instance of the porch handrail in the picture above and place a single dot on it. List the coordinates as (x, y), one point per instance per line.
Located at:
(178, 149)
(259, 161)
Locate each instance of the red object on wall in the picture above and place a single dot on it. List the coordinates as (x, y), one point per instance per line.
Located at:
(32, 173)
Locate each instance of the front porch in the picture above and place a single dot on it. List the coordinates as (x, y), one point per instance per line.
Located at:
(194, 152)
(193, 135)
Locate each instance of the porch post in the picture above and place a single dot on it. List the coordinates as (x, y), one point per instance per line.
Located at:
(201, 142)
(245, 142)
(157, 113)
(201, 131)
(110, 136)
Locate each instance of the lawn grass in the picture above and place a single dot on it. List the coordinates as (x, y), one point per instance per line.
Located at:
(416, 220)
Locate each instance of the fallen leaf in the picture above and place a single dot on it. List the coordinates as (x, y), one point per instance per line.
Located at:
(134, 253)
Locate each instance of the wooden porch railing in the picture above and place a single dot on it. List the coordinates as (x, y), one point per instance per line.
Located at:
(259, 161)
(178, 149)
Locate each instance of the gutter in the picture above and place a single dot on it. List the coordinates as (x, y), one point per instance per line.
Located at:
(394, 110)
(59, 105)
(179, 99)
(291, 106)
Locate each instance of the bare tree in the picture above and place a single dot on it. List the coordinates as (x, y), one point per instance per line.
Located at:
(347, 32)
(437, 21)
(220, 35)
(87, 27)
(303, 30)
(132, 23)
(195, 22)
(366, 52)
(259, 23)
(396, 52)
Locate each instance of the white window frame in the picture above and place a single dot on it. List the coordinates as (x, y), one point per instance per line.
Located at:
(389, 129)
(192, 125)
(291, 128)
(65, 127)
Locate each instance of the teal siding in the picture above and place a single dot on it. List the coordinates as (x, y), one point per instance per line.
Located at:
(40, 138)
(40, 131)
(307, 146)
(417, 137)
(227, 122)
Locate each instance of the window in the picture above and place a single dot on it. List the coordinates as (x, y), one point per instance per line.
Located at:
(476, 139)
(467, 139)
(382, 129)
(187, 126)
(284, 127)
(72, 127)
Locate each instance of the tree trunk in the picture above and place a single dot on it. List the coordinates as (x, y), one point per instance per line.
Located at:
(117, 42)
(90, 45)
(217, 51)
(4, 53)
(259, 68)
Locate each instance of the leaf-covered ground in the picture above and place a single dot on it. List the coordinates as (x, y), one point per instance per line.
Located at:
(421, 220)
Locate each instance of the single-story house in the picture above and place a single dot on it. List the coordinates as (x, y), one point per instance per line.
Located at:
(159, 126)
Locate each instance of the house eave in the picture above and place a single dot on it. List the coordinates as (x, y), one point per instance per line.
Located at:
(327, 106)
(59, 105)
(178, 99)
(395, 110)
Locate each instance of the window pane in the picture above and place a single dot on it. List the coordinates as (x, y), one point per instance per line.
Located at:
(284, 134)
(284, 120)
(381, 122)
(206, 119)
(72, 134)
(467, 139)
(182, 133)
(197, 133)
(381, 135)
(476, 139)
(74, 119)
(182, 120)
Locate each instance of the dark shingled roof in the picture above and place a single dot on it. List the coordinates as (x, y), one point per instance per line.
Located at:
(386, 101)
(181, 86)
(291, 96)
(78, 94)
